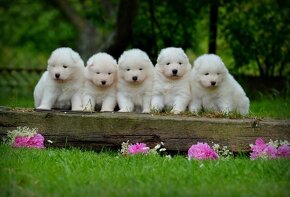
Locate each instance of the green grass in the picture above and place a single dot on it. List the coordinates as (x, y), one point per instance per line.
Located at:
(271, 107)
(63, 172)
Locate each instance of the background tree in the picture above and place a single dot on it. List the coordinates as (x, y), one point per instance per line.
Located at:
(213, 22)
(91, 38)
(258, 31)
(161, 24)
(253, 34)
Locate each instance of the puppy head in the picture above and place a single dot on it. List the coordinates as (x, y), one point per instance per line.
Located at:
(64, 64)
(173, 63)
(135, 66)
(101, 69)
(210, 70)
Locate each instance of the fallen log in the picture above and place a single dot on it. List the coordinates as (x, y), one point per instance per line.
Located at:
(109, 130)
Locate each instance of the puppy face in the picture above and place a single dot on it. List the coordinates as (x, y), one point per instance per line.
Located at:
(211, 70)
(135, 66)
(102, 70)
(173, 63)
(64, 64)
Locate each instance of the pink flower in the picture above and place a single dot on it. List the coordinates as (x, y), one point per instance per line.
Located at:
(138, 148)
(20, 141)
(261, 149)
(271, 151)
(37, 141)
(201, 151)
(284, 151)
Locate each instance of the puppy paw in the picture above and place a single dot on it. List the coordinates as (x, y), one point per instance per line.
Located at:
(194, 111)
(106, 110)
(88, 109)
(146, 111)
(175, 111)
(43, 107)
(77, 109)
(124, 110)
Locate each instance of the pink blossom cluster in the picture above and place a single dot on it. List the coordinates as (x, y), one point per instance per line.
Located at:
(138, 148)
(201, 151)
(37, 141)
(262, 150)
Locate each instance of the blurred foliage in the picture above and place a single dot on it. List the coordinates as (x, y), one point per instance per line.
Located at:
(259, 31)
(161, 24)
(30, 30)
(253, 36)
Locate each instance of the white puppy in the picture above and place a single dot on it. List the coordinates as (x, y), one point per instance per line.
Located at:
(58, 86)
(171, 81)
(135, 81)
(214, 88)
(100, 85)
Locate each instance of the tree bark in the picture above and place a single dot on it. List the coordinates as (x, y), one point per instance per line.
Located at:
(213, 26)
(91, 40)
(121, 37)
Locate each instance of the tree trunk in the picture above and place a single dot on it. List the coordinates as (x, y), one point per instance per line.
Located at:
(91, 40)
(213, 26)
(121, 37)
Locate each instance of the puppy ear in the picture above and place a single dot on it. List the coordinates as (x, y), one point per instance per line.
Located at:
(75, 57)
(87, 73)
(225, 68)
(183, 54)
(90, 61)
(121, 58)
(160, 57)
(115, 64)
(49, 62)
(196, 63)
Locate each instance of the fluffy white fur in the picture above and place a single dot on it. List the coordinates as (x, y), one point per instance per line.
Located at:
(214, 88)
(135, 81)
(57, 86)
(100, 86)
(171, 81)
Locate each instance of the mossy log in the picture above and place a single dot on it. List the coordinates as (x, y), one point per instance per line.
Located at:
(109, 130)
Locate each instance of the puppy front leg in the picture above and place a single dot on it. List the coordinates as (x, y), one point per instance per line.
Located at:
(88, 103)
(47, 101)
(225, 107)
(109, 104)
(125, 104)
(195, 105)
(180, 104)
(146, 104)
(76, 102)
(157, 103)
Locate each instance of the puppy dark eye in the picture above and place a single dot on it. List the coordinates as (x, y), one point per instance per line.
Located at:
(97, 73)
(167, 63)
(206, 74)
(128, 69)
(64, 66)
(140, 68)
(109, 73)
(180, 63)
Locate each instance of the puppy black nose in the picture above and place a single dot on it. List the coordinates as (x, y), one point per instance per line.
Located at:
(134, 78)
(104, 82)
(174, 71)
(213, 83)
(57, 75)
